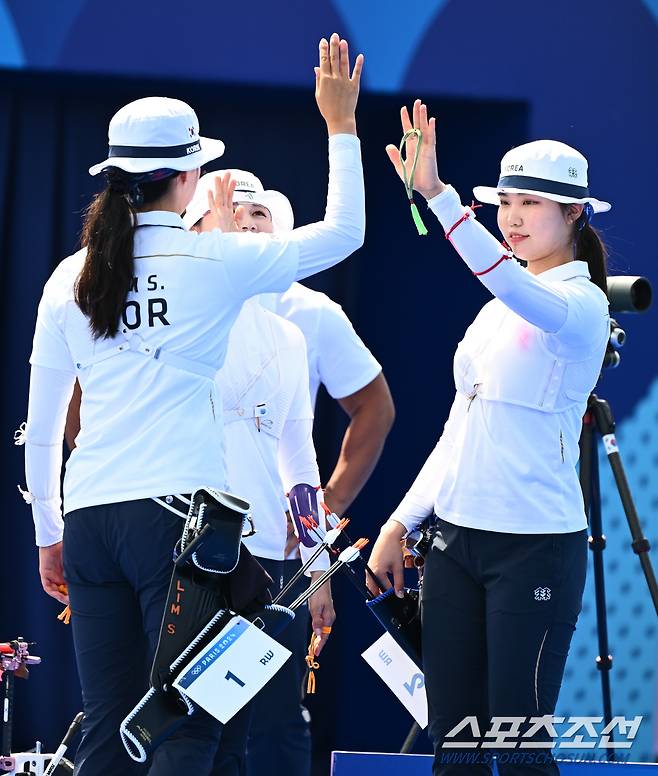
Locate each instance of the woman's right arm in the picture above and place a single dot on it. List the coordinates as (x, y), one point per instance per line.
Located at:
(342, 231)
(418, 503)
(265, 263)
(545, 305)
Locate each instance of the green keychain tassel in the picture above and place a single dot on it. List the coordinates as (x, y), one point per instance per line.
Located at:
(422, 229)
(409, 181)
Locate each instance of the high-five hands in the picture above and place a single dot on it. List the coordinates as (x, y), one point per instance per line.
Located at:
(220, 204)
(336, 91)
(426, 178)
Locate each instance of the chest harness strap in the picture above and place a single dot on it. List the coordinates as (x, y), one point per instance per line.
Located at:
(135, 343)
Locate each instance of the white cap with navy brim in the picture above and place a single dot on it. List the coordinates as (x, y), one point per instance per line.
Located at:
(548, 168)
(155, 133)
(248, 190)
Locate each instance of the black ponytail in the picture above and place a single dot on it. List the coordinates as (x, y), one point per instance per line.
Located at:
(589, 247)
(108, 233)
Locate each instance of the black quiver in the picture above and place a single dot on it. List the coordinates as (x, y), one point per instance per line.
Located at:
(214, 578)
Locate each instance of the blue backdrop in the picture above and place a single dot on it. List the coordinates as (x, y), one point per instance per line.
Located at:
(495, 75)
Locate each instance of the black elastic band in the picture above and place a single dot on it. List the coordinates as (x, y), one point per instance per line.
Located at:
(155, 152)
(542, 185)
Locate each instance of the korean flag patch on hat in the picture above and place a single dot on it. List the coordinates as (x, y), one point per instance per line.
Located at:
(547, 168)
(155, 133)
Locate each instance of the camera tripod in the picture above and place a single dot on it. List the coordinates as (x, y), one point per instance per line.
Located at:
(599, 420)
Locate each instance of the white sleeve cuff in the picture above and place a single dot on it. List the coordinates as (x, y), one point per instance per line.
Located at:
(409, 522)
(48, 522)
(321, 563)
(479, 249)
(344, 151)
(447, 207)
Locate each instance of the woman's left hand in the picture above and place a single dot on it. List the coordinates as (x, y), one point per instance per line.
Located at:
(321, 609)
(426, 176)
(220, 204)
(51, 571)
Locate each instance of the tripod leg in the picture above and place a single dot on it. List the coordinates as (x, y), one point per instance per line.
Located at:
(7, 686)
(606, 426)
(597, 545)
(410, 740)
(589, 482)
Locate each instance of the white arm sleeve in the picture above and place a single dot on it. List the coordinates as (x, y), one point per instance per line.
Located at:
(540, 303)
(264, 263)
(50, 394)
(297, 463)
(325, 243)
(418, 502)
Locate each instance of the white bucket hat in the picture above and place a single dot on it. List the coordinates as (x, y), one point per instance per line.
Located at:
(248, 190)
(155, 133)
(549, 168)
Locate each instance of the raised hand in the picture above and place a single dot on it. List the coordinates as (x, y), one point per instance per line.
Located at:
(426, 177)
(336, 91)
(220, 204)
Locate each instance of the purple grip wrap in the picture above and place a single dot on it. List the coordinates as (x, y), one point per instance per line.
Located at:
(303, 500)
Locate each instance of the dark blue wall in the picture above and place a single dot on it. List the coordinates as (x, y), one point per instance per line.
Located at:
(585, 73)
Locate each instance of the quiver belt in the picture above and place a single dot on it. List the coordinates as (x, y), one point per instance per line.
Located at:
(214, 577)
(401, 618)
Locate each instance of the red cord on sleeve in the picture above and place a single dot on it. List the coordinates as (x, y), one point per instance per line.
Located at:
(465, 217)
(493, 266)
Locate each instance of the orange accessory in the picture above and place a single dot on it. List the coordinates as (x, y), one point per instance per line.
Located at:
(312, 663)
(65, 615)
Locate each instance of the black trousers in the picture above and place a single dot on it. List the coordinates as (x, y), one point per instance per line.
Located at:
(117, 564)
(231, 757)
(280, 736)
(498, 614)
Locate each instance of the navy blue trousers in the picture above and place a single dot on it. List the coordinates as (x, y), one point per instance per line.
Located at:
(117, 565)
(280, 735)
(230, 759)
(498, 614)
